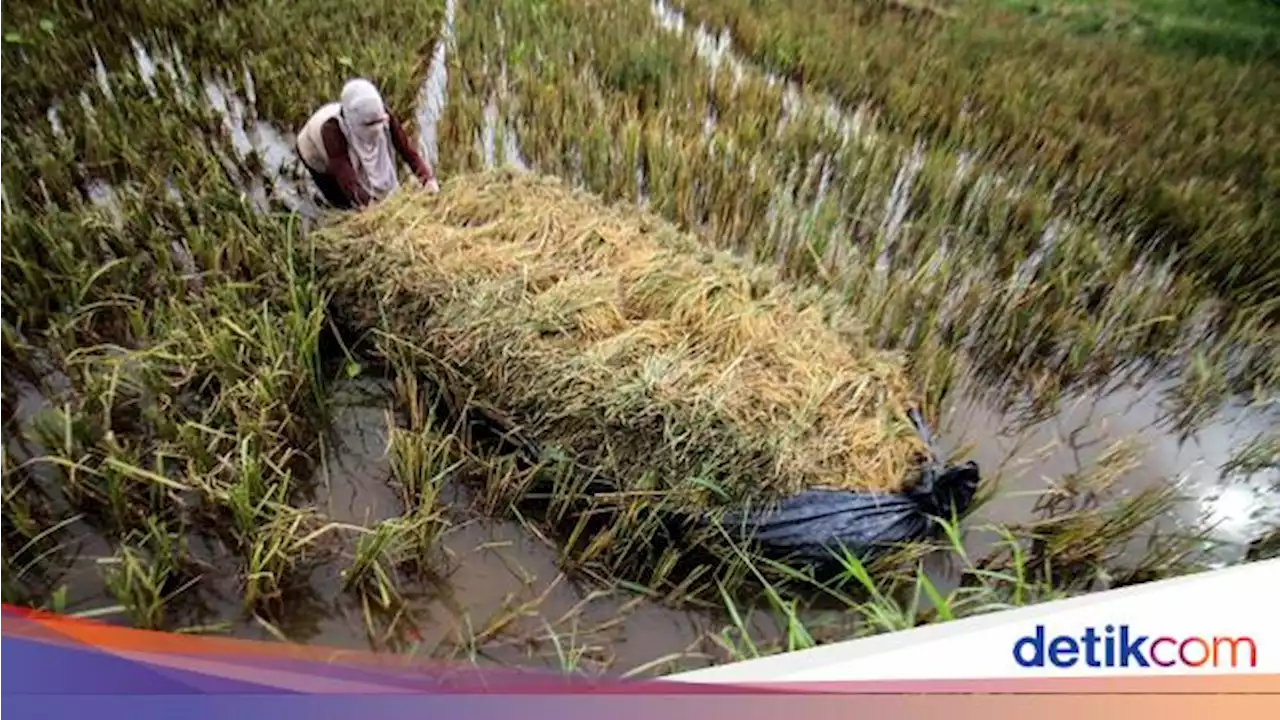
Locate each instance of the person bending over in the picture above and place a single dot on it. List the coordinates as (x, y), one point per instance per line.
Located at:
(351, 147)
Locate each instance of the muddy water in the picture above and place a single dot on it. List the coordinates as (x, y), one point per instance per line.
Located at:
(501, 598)
(1028, 460)
(498, 597)
(502, 582)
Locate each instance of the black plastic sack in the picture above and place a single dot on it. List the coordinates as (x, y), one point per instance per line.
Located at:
(817, 526)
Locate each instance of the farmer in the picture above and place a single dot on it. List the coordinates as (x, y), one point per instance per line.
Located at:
(350, 147)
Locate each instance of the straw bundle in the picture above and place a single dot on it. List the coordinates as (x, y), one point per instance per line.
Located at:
(608, 334)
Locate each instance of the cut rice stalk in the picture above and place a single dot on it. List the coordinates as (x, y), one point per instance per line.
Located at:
(612, 336)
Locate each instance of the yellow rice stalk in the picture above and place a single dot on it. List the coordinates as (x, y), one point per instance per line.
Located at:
(609, 334)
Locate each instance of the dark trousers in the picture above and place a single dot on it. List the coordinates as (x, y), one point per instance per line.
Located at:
(329, 188)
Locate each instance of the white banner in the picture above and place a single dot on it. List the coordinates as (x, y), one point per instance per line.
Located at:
(1219, 622)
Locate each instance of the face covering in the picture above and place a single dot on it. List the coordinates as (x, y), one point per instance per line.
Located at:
(364, 121)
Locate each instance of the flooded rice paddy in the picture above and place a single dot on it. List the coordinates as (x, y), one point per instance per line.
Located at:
(499, 596)
(499, 592)
(502, 597)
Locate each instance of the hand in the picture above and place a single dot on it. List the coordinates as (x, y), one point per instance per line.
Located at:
(433, 187)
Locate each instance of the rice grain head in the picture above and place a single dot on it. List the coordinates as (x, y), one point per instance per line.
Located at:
(607, 332)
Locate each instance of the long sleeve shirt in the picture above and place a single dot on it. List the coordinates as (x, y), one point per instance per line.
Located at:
(339, 162)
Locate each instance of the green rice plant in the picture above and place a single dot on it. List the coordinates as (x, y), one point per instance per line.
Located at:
(146, 575)
(982, 79)
(26, 569)
(380, 552)
(422, 461)
(1266, 547)
(370, 569)
(1057, 558)
(1260, 453)
(1240, 31)
(570, 656)
(277, 549)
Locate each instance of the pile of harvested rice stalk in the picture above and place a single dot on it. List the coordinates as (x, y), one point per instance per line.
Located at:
(610, 335)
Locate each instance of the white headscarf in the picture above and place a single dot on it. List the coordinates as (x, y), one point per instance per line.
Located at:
(370, 149)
